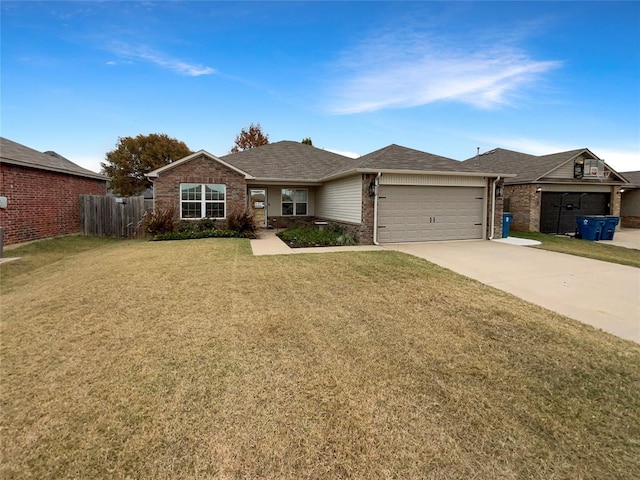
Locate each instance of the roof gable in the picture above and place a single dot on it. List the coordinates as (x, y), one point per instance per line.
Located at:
(17, 154)
(155, 173)
(398, 158)
(529, 168)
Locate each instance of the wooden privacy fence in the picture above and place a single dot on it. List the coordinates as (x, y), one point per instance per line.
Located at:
(111, 216)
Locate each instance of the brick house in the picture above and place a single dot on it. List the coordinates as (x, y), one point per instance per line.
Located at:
(547, 192)
(630, 201)
(395, 194)
(41, 191)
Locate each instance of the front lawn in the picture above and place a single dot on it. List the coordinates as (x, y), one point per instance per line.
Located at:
(195, 359)
(583, 248)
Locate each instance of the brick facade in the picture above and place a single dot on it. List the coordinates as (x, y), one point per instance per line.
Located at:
(499, 201)
(41, 203)
(630, 208)
(166, 187)
(524, 203)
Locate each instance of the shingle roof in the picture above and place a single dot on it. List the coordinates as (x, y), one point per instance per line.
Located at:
(396, 157)
(633, 177)
(17, 154)
(287, 160)
(528, 168)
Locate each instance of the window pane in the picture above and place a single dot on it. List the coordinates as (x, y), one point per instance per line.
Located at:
(301, 208)
(215, 210)
(301, 195)
(287, 195)
(191, 191)
(191, 210)
(214, 192)
(287, 209)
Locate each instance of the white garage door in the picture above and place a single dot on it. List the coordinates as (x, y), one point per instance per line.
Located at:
(424, 213)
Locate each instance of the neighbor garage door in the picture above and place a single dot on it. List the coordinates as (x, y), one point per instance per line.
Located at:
(558, 210)
(424, 213)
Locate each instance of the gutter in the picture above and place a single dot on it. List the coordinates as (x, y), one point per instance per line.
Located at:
(375, 210)
(493, 208)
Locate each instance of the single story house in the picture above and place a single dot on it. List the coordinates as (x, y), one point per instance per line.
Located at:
(630, 201)
(549, 191)
(39, 193)
(395, 194)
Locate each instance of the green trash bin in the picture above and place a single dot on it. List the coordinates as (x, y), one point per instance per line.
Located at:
(609, 228)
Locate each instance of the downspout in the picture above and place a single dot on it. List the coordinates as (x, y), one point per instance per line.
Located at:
(375, 210)
(493, 208)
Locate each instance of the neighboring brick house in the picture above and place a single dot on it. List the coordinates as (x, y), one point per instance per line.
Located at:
(547, 192)
(630, 201)
(394, 194)
(42, 192)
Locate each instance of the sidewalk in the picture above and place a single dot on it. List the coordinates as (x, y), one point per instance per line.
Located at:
(270, 244)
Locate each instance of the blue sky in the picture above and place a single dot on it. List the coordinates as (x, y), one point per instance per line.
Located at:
(443, 77)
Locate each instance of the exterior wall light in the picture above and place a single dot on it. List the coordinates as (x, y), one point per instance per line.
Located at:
(538, 190)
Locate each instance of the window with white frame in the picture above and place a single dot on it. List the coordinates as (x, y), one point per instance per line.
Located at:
(202, 200)
(294, 201)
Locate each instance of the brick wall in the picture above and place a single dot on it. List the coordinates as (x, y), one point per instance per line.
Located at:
(42, 204)
(524, 204)
(497, 230)
(166, 188)
(630, 208)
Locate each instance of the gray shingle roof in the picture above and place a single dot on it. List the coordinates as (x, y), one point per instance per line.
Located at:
(17, 154)
(396, 157)
(287, 160)
(633, 177)
(528, 168)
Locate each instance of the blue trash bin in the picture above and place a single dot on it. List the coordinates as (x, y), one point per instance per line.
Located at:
(590, 227)
(609, 228)
(507, 218)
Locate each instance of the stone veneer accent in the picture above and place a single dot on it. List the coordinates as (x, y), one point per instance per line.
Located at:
(199, 170)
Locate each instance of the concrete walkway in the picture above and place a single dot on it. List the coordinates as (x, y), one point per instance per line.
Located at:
(605, 295)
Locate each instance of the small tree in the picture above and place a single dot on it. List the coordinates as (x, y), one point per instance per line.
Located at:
(250, 138)
(307, 141)
(134, 157)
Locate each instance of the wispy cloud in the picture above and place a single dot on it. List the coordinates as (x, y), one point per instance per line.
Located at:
(406, 71)
(144, 53)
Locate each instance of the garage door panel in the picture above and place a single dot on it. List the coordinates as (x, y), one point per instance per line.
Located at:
(558, 210)
(421, 213)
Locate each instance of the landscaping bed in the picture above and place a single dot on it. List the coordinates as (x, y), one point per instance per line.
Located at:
(311, 235)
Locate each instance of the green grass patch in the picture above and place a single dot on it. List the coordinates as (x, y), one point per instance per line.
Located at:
(583, 248)
(303, 235)
(198, 360)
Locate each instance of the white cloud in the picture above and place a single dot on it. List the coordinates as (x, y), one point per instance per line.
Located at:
(141, 52)
(408, 71)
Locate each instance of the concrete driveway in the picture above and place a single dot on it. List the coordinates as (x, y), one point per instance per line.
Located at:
(605, 295)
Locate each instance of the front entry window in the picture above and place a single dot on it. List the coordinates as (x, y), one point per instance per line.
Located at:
(294, 201)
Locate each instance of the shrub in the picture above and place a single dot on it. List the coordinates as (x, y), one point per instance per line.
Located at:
(159, 221)
(301, 235)
(195, 234)
(242, 223)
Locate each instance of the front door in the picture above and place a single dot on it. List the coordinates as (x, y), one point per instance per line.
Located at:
(258, 205)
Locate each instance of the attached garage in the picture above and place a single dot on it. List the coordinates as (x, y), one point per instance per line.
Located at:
(427, 212)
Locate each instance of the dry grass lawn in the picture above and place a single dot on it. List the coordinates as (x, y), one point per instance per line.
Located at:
(584, 248)
(196, 360)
